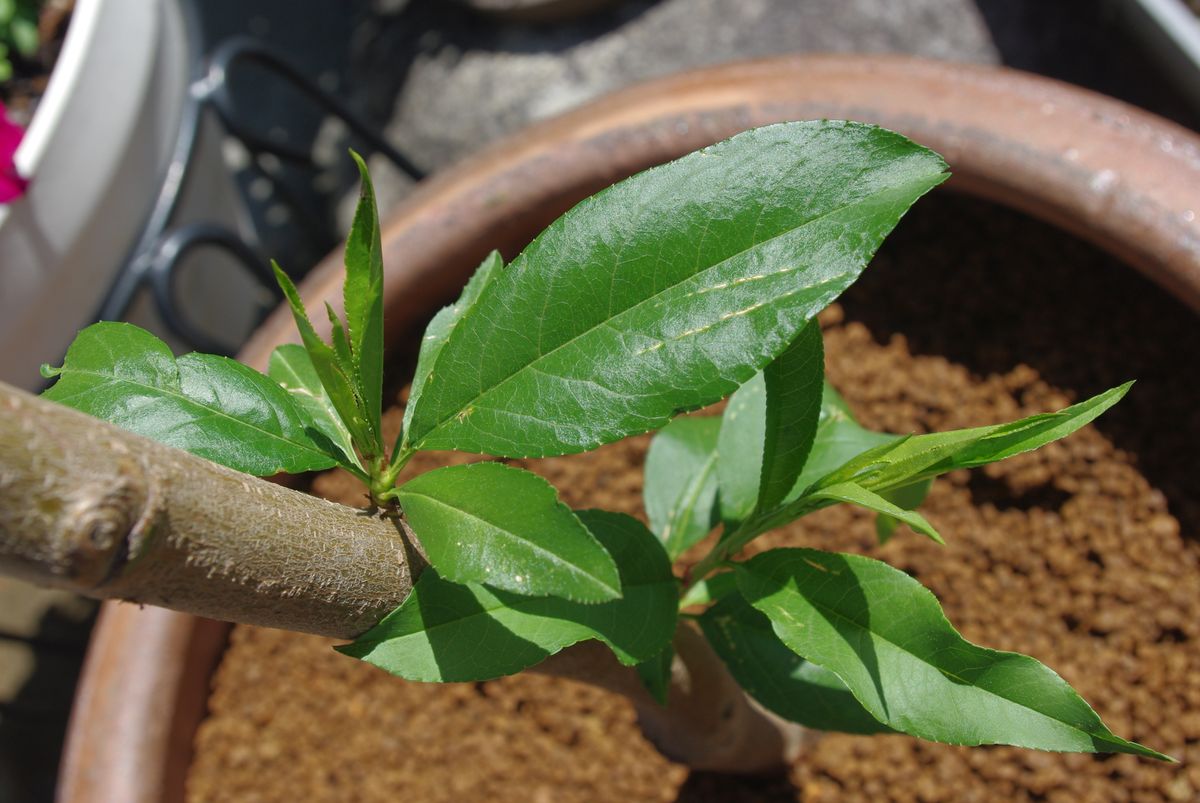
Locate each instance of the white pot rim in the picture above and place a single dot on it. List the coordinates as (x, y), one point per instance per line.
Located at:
(95, 155)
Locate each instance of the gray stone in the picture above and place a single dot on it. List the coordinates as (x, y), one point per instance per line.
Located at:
(467, 88)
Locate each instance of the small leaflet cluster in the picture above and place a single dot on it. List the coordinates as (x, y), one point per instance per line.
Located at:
(663, 294)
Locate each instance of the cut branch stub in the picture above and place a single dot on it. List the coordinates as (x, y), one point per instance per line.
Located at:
(103, 512)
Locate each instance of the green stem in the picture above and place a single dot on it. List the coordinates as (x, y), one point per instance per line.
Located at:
(398, 464)
(716, 556)
(358, 472)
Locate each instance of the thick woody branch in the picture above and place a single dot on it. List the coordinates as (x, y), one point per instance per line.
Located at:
(97, 510)
(102, 512)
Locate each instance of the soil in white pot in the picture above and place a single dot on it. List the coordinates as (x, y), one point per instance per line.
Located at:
(1084, 554)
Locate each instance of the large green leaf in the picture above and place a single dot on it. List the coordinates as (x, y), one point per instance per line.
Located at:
(885, 636)
(447, 632)
(680, 488)
(443, 324)
(504, 527)
(669, 290)
(363, 299)
(210, 406)
(779, 679)
(292, 368)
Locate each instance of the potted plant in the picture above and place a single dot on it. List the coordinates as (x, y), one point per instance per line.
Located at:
(449, 184)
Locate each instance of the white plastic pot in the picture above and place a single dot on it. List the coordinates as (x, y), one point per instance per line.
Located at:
(96, 153)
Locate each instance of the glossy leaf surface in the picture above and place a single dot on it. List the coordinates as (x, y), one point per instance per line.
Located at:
(292, 368)
(885, 636)
(448, 632)
(739, 449)
(669, 290)
(680, 489)
(914, 458)
(768, 428)
(504, 527)
(338, 384)
(363, 299)
(794, 383)
(779, 679)
(443, 324)
(210, 406)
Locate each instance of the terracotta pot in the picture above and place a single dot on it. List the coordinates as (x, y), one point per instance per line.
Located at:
(1114, 175)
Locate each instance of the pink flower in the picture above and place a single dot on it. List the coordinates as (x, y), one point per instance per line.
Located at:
(12, 185)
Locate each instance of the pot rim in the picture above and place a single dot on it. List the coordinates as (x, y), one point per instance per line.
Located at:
(1118, 176)
(95, 160)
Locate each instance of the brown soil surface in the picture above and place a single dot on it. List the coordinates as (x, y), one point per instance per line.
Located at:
(1084, 554)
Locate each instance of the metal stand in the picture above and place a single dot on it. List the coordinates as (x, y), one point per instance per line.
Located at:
(161, 247)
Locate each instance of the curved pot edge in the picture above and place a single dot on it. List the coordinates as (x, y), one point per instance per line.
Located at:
(1113, 174)
(1077, 159)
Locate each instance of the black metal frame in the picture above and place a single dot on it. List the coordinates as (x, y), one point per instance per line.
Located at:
(161, 247)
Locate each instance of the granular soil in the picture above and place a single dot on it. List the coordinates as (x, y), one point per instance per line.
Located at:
(1083, 554)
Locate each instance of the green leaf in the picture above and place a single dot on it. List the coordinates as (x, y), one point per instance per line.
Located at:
(776, 677)
(338, 385)
(363, 299)
(446, 632)
(794, 383)
(292, 368)
(768, 428)
(885, 636)
(1030, 433)
(680, 488)
(655, 673)
(906, 497)
(443, 324)
(340, 342)
(900, 460)
(905, 461)
(857, 495)
(504, 527)
(210, 406)
(669, 290)
(739, 449)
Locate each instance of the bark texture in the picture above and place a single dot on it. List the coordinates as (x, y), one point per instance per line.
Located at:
(97, 510)
(709, 722)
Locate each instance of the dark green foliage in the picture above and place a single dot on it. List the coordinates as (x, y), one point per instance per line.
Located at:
(661, 295)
